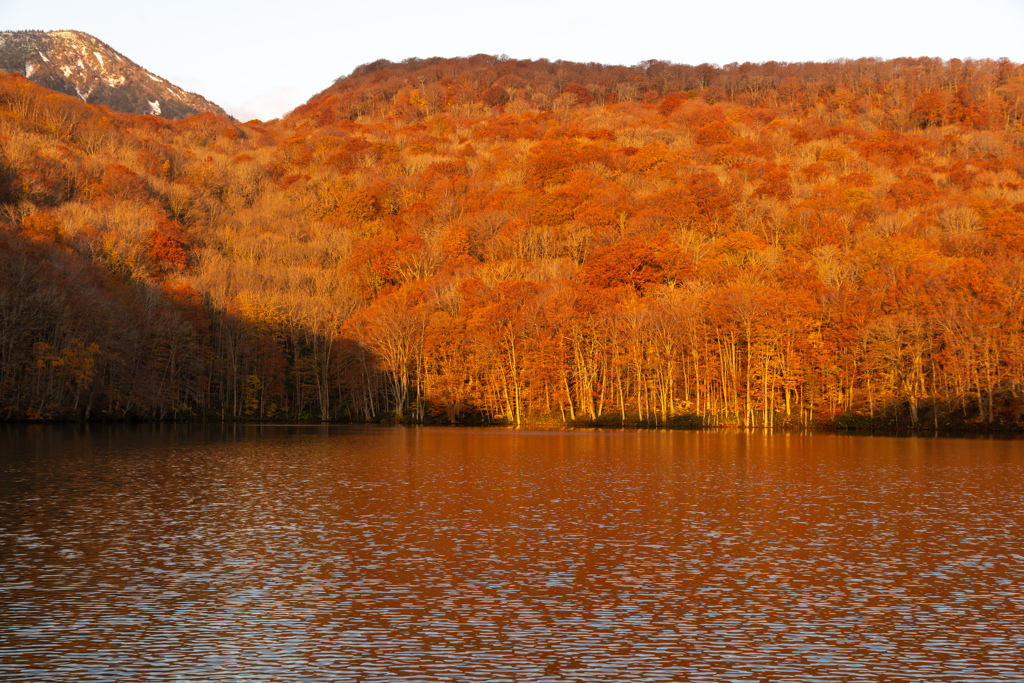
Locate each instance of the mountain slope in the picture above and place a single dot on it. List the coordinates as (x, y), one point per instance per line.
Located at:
(489, 240)
(77, 64)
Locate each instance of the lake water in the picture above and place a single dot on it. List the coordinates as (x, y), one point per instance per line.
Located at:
(246, 553)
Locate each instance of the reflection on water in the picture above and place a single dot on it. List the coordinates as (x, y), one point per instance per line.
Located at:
(360, 554)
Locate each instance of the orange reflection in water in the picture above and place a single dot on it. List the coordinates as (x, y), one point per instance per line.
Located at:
(345, 553)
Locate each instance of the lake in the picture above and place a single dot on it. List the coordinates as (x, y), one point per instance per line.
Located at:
(270, 553)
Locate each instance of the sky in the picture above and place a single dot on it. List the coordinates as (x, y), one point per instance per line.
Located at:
(260, 60)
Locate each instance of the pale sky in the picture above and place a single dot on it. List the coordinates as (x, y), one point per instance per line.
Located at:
(260, 60)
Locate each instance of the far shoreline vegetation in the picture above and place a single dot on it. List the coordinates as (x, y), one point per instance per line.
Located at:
(485, 240)
(841, 424)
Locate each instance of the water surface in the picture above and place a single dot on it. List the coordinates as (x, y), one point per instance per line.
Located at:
(412, 554)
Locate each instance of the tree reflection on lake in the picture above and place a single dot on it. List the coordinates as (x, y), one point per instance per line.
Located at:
(165, 553)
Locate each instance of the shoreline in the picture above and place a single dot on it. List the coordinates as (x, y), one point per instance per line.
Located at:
(820, 427)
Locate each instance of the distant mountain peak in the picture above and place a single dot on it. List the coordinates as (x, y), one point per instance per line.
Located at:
(80, 65)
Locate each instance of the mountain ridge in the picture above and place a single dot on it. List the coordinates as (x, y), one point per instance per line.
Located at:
(78, 64)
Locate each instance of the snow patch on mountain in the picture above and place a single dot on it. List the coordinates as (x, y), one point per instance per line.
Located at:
(99, 57)
(30, 69)
(43, 56)
(154, 107)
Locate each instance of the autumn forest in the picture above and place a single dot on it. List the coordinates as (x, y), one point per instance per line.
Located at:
(496, 241)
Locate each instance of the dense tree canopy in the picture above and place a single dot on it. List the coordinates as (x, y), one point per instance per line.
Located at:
(487, 239)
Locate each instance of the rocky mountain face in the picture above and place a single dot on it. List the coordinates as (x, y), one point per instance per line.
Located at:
(77, 64)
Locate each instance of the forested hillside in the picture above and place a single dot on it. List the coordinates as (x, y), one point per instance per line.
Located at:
(493, 240)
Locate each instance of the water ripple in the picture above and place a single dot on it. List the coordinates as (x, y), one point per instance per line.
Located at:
(344, 554)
